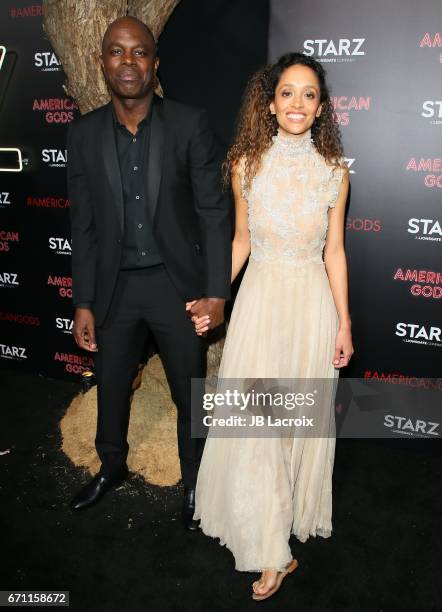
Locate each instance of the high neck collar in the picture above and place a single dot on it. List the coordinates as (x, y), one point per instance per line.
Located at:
(293, 145)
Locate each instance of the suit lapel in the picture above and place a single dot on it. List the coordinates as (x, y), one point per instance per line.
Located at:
(155, 155)
(111, 163)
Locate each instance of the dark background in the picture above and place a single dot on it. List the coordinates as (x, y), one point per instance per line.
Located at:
(130, 552)
(207, 51)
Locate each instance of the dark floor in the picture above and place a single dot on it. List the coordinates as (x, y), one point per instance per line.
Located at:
(130, 552)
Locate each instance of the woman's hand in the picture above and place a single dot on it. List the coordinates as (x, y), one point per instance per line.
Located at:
(343, 349)
(201, 324)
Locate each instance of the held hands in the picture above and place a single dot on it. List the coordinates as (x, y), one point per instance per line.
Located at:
(84, 329)
(205, 314)
(344, 348)
(208, 313)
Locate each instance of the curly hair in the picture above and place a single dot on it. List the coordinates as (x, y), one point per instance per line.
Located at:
(256, 125)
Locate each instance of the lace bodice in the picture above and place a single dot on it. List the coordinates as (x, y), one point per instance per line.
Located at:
(288, 202)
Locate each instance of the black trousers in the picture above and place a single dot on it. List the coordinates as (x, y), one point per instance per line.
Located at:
(146, 300)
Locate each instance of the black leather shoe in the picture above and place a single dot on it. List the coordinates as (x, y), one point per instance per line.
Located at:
(95, 489)
(188, 509)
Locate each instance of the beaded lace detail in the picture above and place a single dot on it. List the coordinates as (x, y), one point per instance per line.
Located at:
(288, 202)
(293, 146)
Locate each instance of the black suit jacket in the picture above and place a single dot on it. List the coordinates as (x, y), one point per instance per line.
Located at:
(190, 215)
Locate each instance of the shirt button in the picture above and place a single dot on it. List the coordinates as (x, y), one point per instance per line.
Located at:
(135, 168)
(140, 225)
(137, 197)
(143, 253)
(134, 140)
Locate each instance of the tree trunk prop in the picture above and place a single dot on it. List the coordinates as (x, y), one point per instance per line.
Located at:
(75, 30)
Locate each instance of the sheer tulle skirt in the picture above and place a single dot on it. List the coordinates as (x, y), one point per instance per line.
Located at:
(252, 493)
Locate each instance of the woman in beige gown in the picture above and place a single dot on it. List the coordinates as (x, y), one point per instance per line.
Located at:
(290, 319)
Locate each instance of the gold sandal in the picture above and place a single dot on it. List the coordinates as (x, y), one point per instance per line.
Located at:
(281, 575)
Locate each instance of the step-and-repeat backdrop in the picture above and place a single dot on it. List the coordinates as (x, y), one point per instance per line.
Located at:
(384, 65)
(35, 248)
(384, 62)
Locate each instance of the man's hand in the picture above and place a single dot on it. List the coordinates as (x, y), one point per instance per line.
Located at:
(84, 329)
(206, 313)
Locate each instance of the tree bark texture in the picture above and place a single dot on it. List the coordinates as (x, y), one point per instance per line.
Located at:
(75, 29)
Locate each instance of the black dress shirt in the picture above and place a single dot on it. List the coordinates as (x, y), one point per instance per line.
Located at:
(139, 247)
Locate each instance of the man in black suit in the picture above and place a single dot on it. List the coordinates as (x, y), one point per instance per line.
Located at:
(150, 231)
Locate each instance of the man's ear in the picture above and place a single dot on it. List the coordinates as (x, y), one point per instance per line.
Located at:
(157, 63)
(272, 108)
